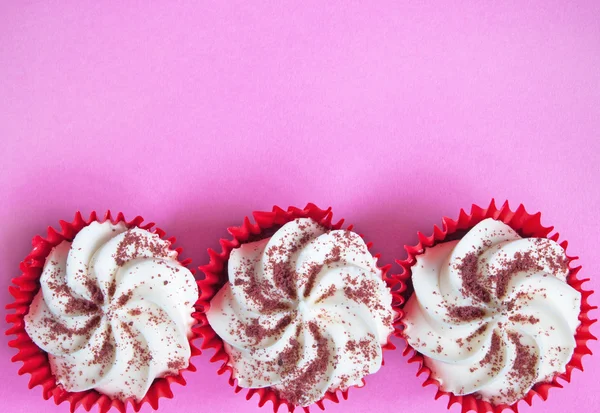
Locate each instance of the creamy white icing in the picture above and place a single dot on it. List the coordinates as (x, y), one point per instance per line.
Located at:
(304, 312)
(492, 313)
(113, 311)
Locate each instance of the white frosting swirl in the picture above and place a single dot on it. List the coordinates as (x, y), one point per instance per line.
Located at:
(492, 313)
(304, 312)
(113, 311)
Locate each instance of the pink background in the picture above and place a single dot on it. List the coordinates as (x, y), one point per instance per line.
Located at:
(396, 114)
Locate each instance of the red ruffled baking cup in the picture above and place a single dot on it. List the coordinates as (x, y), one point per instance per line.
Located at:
(215, 276)
(35, 360)
(527, 225)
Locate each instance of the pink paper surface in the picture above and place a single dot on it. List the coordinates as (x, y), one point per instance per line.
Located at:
(395, 114)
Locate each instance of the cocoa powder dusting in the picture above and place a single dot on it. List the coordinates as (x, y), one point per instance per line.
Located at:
(519, 318)
(363, 293)
(311, 275)
(112, 288)
(297, 390)
(94, 290)
(330, 292)
(290, 356)
(368, 347)
(57, 328)
(124, 298)
(80, 306)
(104, 354)
(465, 313)
(472, 287)
(558, 263)
(525, 365)
(283, 278)
(176, 365)
(520, 262)
(494, 357)
(256, 331)
(133, 244)
(135, 311)
(73, 305)
(477, 333)
(260, 292)
(315, 269)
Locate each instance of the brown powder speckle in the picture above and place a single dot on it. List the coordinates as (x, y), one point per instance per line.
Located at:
(465, 313)
(472, 286)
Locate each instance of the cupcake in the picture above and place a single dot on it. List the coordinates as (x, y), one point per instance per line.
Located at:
(302, 310)
(497, 314)
(111, 320)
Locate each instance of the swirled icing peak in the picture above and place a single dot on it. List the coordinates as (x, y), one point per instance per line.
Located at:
(305, 311)
(113, 311)
(492, 313)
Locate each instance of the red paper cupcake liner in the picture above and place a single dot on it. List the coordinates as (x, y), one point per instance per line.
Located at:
(527, 225)
(215, 276)
(35, 360)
